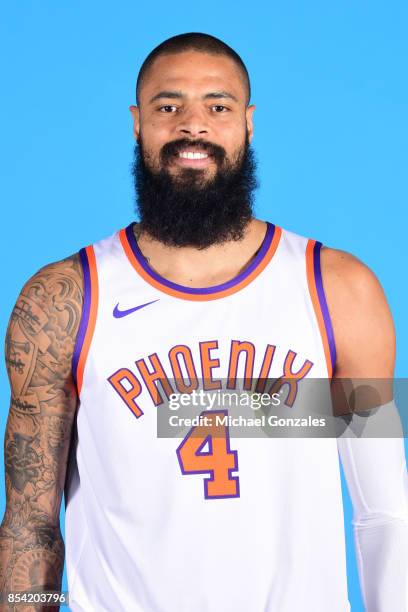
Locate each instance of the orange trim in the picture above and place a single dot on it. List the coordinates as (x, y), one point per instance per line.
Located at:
(311, 281)
(201, 297)
(92, 316)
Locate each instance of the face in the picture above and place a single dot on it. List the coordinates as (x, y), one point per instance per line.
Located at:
(192, 115)
(194, 169)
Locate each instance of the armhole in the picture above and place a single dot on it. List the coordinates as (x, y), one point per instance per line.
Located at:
(88, 315)
(316, 290)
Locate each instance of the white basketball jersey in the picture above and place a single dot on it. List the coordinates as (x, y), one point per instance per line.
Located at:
(198, 523)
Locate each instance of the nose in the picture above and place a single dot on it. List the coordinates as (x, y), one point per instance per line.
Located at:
(192, 123)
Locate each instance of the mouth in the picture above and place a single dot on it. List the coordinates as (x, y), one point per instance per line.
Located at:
(193, 158)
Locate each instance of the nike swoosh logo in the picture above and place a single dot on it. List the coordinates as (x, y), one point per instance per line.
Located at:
(118, 314)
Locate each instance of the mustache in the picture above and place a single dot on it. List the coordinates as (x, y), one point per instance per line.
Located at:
(174, 147)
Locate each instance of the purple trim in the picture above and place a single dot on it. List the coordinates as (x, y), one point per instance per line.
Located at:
(323, 303)
(86, 309)
(270, 230)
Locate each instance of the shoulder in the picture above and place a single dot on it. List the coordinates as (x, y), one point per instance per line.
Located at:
(361, 318)
(67, 270)
(56, 284)
(46, 317)
(349, 275)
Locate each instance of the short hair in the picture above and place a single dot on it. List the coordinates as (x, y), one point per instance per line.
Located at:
(196, 41)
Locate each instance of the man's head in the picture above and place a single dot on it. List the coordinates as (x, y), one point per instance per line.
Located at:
(193, 125)
(193, 41)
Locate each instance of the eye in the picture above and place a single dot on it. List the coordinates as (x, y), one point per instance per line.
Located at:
(219, 108)
(168, 108)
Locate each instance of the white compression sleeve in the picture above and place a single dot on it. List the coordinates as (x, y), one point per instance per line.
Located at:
(376, 475)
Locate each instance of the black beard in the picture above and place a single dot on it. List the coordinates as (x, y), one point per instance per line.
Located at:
(188, 210)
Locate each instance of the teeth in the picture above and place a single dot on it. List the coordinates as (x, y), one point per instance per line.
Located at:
(191, 155)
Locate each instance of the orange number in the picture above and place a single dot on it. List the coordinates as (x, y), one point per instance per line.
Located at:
(219, 461)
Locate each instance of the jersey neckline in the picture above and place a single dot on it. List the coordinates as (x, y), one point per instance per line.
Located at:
(252, 270)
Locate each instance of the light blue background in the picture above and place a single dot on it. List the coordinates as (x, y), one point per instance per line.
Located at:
(329, 82)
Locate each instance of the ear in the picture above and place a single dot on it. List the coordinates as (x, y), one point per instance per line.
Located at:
(135, 112)
(249, 120)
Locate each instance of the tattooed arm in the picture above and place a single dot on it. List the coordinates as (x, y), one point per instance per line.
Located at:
(39, 346)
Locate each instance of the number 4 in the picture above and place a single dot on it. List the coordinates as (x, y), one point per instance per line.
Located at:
(219, 461)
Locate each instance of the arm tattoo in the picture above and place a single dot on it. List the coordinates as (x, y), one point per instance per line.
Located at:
(39, 346)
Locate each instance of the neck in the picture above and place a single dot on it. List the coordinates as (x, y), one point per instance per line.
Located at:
(193, 267)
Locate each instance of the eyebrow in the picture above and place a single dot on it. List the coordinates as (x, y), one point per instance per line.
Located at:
(176, 95)
(220, 94)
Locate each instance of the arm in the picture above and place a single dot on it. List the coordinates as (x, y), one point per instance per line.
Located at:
(374, 467)
(39, 346)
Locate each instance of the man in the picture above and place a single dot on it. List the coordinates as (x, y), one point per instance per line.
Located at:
(199, 289)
